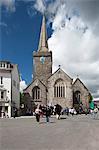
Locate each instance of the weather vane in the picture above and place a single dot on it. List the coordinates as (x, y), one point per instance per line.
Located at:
(59, 66)
(77, 76)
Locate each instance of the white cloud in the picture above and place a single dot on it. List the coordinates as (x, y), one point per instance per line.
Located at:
(8, 4)
(31, 11)
(23, 85)
(2, 24)
(76, 49)
(40, 5)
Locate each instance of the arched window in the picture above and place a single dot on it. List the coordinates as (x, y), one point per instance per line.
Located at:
(36, 93)
(59, 89)
(77, 97)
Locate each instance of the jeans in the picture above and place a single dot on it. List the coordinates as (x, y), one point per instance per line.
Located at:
(47, 118)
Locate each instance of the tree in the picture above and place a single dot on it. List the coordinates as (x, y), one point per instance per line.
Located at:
(21, 98)
(90, 98)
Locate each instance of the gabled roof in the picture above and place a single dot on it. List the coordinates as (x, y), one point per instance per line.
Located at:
(32, 83)
(81, 83)
(59, 69)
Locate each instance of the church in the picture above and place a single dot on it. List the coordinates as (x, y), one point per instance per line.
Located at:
(49, 88)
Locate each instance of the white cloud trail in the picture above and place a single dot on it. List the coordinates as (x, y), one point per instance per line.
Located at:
(8, 4)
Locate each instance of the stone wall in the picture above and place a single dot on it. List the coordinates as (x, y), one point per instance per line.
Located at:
(64, 102)
(42, 71)
(43, 95)
(79, 86)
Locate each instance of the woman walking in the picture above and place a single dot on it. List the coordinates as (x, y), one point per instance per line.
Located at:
(37, 113)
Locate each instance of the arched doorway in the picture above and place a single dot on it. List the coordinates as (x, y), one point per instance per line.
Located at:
(76, 97)
(76, 100)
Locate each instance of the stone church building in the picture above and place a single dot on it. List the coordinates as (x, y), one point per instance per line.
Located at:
(53, 88)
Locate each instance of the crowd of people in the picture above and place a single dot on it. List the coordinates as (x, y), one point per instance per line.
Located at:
(47, 111)
(57, 110)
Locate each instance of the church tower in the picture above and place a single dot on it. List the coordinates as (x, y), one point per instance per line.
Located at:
(42, 59)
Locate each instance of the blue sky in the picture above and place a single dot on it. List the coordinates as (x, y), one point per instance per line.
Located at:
(19, 37)
(73, 36)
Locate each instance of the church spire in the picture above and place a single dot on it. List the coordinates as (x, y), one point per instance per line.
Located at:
(43, 45)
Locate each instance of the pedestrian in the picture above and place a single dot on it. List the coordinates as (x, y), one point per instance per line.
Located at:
(47, 113)
(37, 113)
(58, 111)
(15, 113)
(67, 111)
(95, 112)
(72, 111)
(6, 115)
(92, 113)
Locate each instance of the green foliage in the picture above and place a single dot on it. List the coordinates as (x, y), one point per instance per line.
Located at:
(90, 98)
(21, 98)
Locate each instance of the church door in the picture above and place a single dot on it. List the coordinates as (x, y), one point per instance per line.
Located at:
(76, 99)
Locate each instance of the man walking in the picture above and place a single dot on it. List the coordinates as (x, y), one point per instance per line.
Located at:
(47, 113)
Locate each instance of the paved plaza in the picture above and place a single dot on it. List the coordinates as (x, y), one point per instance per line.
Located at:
(70, 133)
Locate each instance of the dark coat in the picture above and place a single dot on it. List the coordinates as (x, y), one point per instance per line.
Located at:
(58, 109)
(47, 112)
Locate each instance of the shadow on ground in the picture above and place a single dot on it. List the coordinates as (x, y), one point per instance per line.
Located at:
(46, 122)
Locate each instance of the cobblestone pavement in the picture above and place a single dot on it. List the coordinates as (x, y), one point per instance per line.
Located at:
(70, 133)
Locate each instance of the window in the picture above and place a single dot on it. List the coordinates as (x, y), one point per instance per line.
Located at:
(3, 65)
(7, 65)
(0, 64)
(59, 89)
(1, 80)
(36, 93)
(2, 94)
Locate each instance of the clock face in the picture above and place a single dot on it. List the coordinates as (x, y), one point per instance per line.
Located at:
(42, 59)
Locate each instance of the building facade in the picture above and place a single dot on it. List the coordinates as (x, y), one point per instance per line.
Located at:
(53, 88)
(9, 88)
